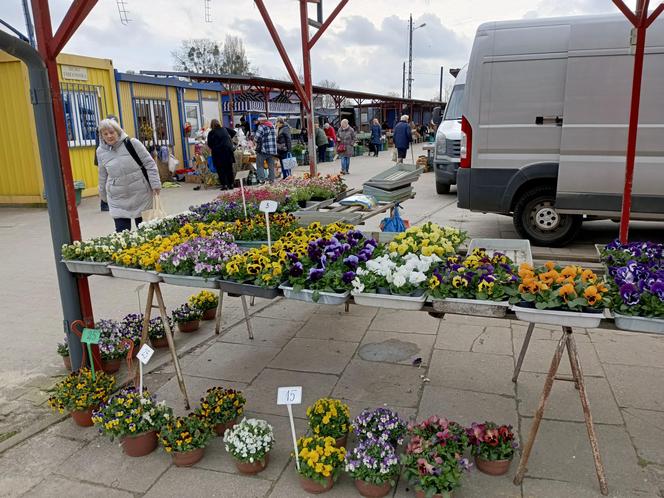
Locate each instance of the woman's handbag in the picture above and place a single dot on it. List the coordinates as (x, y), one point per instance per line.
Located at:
(341, 148)
(289, 162)
(157, 211)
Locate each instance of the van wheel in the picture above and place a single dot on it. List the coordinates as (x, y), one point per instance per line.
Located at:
(536, 219)
(442, 188)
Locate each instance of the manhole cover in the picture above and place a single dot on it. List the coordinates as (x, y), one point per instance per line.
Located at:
(392, 351)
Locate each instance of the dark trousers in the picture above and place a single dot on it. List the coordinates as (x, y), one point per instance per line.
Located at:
(321, 153)
(122, 224)
(374, 148)
(227, 177)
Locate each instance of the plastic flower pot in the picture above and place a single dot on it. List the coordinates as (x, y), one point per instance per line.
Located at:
(190, 326)
(421, 494)
(140, 444)
(83, 418)
(67, 361)
(160, 342)
(111, 366)
(315, 487)
(210, 314)
(372, 490)
(341, 442)
(493, 467)
(187, 458)
(253, 468)
(221, 428)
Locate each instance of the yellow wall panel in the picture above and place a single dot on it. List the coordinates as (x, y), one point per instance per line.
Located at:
(190, 95)
(144, 91)
(177, 126)
(127, 108)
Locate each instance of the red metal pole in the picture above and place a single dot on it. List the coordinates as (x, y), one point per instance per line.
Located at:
(308, 87)
(327, 23)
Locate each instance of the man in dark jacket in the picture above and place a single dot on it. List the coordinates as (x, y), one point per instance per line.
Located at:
(266, 148)
(402, 137)
(321, 142)
(284, 144)
(220, 142)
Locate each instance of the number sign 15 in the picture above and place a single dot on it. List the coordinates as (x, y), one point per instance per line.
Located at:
(289, 395)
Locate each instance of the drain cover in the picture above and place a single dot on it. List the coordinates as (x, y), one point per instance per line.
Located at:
(392, 351)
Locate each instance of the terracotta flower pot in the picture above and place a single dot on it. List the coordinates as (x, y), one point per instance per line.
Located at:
(314, 487)
(493, 467)
(140, 444)
(111, 366)
(372, 490)
(253, 468)
(210, 314)
(67, 361)
(421, 494)
(161, 342)
(187, 458)
(191, 326)
(83, 418)
(221, 428)
(341, 442)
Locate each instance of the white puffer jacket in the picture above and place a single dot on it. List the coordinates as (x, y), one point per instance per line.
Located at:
(121, 181)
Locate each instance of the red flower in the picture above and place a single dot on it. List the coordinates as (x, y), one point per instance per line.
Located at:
(491, 437)
(424, 467)
(505, 433)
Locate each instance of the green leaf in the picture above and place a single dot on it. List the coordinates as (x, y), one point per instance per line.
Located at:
(297, 288)
(541, 306)
(528, 297)
(315, 296)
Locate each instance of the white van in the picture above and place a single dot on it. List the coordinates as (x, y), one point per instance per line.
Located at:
(544, 126)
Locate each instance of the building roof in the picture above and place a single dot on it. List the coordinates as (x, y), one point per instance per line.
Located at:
(169, 81)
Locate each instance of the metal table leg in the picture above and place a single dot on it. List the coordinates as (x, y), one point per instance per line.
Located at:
(522, 354)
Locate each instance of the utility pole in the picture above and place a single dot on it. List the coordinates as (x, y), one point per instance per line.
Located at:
(440, 96)
(403, 82)
(410, 52)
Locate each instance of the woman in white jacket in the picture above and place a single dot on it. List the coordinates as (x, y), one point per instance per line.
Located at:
(126, 185)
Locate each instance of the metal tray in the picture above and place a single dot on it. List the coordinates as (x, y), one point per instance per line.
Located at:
(305, 218)
(555, 317)
(639, 323)
(517, 250)
(190, 281)
(135, 274)
(392, 301)
(87, 267)
(477, 307)
(306, 295)
(248, 289)
(388, 196)
(250, 244)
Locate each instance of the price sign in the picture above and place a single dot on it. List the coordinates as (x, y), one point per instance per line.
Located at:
(289, 395)
(144, 354)
(268, 206)
(91, 336)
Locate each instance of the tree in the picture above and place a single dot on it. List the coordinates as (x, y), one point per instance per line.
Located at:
(233, 57)
(203, 55)
(327, 102)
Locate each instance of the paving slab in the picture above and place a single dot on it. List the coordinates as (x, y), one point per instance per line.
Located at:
(336, 326)
(466, 407)
(290, 309)
(488, 373)
(494, 340)
(637, 387)
(314, 355)
(539, 355)
(262, 393)
(414, 322)
(564, 402)
(404, 347)
(202, 483)
(540, 333)
(67, 429)
(482, 321)
(630, 349)
(272, 332)
(53, 485)
(409, 414)
(646, 428)
(196, 387)
(537, 488)
(474, 484)
(456, 336)
(377, 383)
(288, 486)
(340, 310)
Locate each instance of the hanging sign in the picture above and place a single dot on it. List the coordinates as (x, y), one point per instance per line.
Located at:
(74, 73)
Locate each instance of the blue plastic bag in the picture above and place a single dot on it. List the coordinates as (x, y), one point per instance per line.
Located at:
(210, 164)
(393, 223)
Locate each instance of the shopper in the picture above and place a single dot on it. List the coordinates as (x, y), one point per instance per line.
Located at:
(402, 137)
(331, 135)
(266, 148)
(128, 176)
(284, 144)
(321, 143)
(346, 141)
(376, 132)
(220, 142)
(103, 205)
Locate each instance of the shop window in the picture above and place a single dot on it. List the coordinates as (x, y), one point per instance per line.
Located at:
(83, 108)
(153, 121)
(192, 113)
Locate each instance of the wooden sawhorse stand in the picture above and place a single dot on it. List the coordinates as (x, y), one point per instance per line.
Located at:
(566, 342)
(245, 308)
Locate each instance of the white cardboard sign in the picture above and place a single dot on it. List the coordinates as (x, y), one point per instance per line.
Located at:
(144, 354)
(268, 206)
(289, 395)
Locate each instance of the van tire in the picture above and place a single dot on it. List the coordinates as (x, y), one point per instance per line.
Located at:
(537, 204)
(442, 188)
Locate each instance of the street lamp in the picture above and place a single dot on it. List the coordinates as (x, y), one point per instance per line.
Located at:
(410, 51)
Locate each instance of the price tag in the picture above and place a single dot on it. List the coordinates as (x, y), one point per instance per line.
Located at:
(289, 395)
(242, 175)
(91, 336)
(268, 206)
(144, 354)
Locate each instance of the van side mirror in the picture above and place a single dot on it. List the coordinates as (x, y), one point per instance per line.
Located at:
(436, 116)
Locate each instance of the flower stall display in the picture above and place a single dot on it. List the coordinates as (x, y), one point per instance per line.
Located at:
(63, 351)
(221, 407)
(132, 328)
(157, 332)
(185, 439)
(187, 317)
(321, 463)
(221, 210)
(330, 417)
(250, 443)
(428, 239)
(79, 393)
(205, 301)
(114, 345)
(374, 465)
(255, 229)
(493, 447)
(380, 423)
(134, 418)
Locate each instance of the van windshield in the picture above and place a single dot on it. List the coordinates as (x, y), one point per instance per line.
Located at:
(453, 108)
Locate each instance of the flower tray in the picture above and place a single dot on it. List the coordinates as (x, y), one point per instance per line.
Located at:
(557, 317)
(190, 281)
(251, 244)
(135, 274)
(307, 295)
(87, 267)
(248, 289)
(516, 249)
(639, 323)
(477, 307)
(392, 301)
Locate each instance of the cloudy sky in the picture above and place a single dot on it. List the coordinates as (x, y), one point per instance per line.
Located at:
(364, 49)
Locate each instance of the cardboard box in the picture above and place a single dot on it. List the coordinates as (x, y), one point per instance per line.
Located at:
(193, 179)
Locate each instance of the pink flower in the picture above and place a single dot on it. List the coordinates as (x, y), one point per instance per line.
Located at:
(424, 467)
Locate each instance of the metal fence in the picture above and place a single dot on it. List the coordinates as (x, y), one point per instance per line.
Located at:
(84, 106)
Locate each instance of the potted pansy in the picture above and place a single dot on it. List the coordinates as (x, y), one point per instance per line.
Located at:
(113, 345)
(221, 407)
(321, 463)
(185, 439)
(380, 423)
(428, 239)
(132, 329)
(207, 302)
(250, 443)
(157, 332)
(330, 417)
(493, 447)
(374, 465)
(80, 393)
(187, 317)
(134, 418)
(63, 351)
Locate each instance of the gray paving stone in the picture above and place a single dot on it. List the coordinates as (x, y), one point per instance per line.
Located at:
(262, 393)
(646, 428)
(421, 345)
(288, 486)
(337, 326)
(537, 488)
(54, 484)
(494, 340)
(103, 462)
(562, 452)
(67, 429)
(488, 373)
(637, 387)
(630, 349)
(476, 320)
(540, 333)
(313, 355)
(466, 407)
(564, 402)
(201, 483)
(196, 387)
(456, 336)
(273, 332)
(539, 355)
(378, 383)
(290, 309)
(414, 322)
(353, 310)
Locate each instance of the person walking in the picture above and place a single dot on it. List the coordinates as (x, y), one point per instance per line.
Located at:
(402, 137)
(376, 132)
(321, 143)
(103, 205)
(220, 142)
(284, 144)
(128, 176)
(266, 148)
(345, 143)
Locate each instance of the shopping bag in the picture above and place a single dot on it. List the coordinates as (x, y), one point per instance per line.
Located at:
(173, 163)
(210, 165)
(289, 162)
(393, 223)
(394, 155)
(157, 210)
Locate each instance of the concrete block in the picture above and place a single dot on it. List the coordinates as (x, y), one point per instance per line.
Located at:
(201, 483)
(488, 373)
(636, 387)
(272, 332)
(289, 309)
(313, 355)
(646, 429)
(536, 488)
(353, 310)
(494, 340)
(457, 337)
(414, 322)
(335, 326)
(55, 485)
(643, 350)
